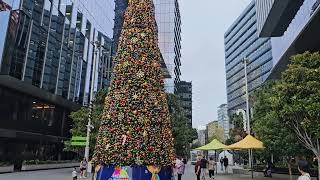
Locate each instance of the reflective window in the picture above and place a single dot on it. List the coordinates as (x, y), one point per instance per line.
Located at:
(53, 51)
(242, 41)
(25, 113)
(282, 44)
(44, 48)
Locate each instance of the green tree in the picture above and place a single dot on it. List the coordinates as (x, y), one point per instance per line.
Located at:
(237, 132)
(297, 100)
(80, 120)
(182, 132)
(279, 141)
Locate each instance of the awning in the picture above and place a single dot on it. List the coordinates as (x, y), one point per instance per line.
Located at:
(213, 145)
(248, 142)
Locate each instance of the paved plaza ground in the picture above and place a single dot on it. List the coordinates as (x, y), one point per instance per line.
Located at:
(65, 174)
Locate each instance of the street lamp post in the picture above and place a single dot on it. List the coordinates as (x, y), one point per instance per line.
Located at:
(245, 61)
(89, 125)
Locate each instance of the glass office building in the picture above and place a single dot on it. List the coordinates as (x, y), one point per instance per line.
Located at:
(50, 51)
(223, 120)
(169, 32)
(242, 41)
(298, 33)
(169, 29)
(184, 92)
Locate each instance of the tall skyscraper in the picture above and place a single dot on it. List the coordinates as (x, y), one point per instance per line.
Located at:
(184, 92)
(242, 42)
(169, 32)
(169, 29)
(223, 120)
(50, 52)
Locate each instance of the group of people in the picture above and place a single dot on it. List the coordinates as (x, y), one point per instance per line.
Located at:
(224, 162)
(204, 167)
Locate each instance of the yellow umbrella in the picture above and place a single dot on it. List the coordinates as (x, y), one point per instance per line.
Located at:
(213, 145)
(248, 142)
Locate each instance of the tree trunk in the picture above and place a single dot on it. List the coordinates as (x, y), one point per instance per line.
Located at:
(318, 158)
(290, 169)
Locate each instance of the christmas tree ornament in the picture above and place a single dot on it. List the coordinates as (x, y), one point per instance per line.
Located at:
(121, 116)
(135, 96)
(124, 139)
(140, 74)
(125, 64)
(107, 147)
(145, 133)
(134, 39)
(138, 161)
(141, 120)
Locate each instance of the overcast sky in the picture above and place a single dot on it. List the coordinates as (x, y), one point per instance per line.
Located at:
(203, 25)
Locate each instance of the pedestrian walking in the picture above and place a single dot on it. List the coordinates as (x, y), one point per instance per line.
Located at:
(212, 163)
(221, 163)
(204, 163)
(74, 174)
(197, 168)
(226, 163)
(268, 171)
(303, 168)
(83, 168)
(180, 167)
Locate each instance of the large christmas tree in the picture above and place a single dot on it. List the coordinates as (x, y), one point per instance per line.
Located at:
(136, 129)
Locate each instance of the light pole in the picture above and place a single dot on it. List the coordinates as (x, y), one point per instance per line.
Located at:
(245, 61)
(89, 125)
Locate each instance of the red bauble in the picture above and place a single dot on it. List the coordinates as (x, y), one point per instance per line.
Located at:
(150, 148)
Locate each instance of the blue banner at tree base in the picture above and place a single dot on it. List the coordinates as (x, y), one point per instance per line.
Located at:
(130, 173)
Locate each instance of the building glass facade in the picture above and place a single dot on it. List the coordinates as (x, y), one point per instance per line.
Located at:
(184, 92)
(299, 32)
(223, 120)
(242, 41)
(169, 31)
(47, 54)
(304, 15)
(169, 35)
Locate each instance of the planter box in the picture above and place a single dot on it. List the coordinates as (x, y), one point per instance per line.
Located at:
(32, 167)
(6, 169)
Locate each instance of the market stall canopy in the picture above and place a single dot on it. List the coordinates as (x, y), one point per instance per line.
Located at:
(213, 145)
(248, 142)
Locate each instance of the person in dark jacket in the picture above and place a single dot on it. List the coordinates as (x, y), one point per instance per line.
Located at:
(197, 168)
(226, 164)
(268, 171)
(221, 163)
